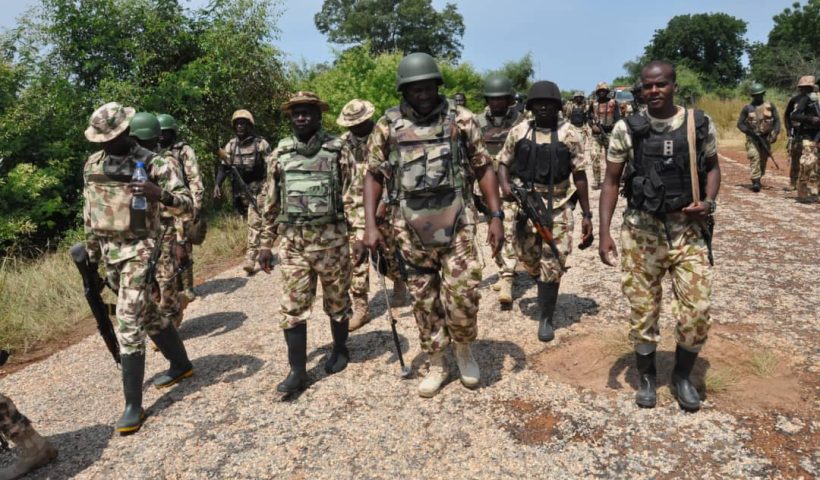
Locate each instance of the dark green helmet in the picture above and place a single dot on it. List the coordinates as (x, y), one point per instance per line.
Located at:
(417, 67)
(167, 122)
(757, 89)
(498, 86)
(543, 90)
(145, 126)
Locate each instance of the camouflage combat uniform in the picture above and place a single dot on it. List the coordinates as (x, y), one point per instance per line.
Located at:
(184, 154)
(806, 113)
(249, 156)
(763, 121)
(495, 131)
(653, 245)
(604, 115)
(12, 422)
(538, 258)
(106, 214)
(437, 241)
(309, 220)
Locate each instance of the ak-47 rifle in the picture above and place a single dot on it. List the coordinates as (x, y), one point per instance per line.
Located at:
(246, 191)
(533, 207)
(92, 284)
(761, 145)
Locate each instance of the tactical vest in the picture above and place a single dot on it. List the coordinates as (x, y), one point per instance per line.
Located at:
(658, 179)
(247, 160)
(534, 161)
(807, 130)
(605, 113)
(761, 119)
(107, 196)
(577, 114)
(428, 175)
(311, 186)
(496, 135)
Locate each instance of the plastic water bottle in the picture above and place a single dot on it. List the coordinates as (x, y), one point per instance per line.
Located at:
(139, 204)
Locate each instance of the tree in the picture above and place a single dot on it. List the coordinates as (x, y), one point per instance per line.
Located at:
(792, 49)
(711, 44)
(520, 72)
(393, 25)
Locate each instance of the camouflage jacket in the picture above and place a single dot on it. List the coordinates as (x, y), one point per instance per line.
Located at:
(308, 237)
(185, 155)
(106, 206)
(495, 130)
(356, 148)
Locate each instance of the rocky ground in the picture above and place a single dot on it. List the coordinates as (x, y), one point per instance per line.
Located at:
(563, 410)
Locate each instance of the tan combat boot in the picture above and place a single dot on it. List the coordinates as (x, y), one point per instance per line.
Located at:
(249, 266)
(436, 376)
(467, 366)
(35, 451)
(361, 314)
(505, 295)
(400, 297)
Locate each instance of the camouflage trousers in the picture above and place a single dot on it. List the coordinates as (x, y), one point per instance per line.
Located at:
(507, 258)
(536, 255)
(254, 225)
(443, 282)
(646, 255)
(597, 157)
(360, 276)
(808, 181)
(169, 305)
(795, 151)
(757, 158)
(137, 312)
(12, 422)
(300, 270)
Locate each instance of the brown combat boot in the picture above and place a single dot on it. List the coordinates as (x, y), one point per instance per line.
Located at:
(361, 313)
(35, 451)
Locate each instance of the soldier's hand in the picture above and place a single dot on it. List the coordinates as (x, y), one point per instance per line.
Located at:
(586, 234)
(265, 260)
(359, 253)
(495, 235)
(381, 212)
(217, 193)
(697, 211)
(149, 190)
(373, 239)
(607, 250)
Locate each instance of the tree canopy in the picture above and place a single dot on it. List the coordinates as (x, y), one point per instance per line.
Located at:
(393, 25)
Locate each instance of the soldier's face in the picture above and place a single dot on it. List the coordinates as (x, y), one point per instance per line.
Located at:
(120, 144)
(658, 87)
(166, 137)
(499, 105)
(460, 100)
(545, 111)
(578, 100)
(422, 96)
(757, 98)
(305, 119)
(363, 129)
(602, 94)
(242, 127)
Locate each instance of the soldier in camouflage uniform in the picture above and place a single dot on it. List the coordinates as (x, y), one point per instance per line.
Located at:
(663, 229)
(495, 122)
(760, 122)
(247, 152)
(576, 111)
(603, 114)
(423, 150)
(308, 176)
(126, 248)
(185, 156)
(806, 114)
(532, 149)
(356, 117)
(35, 451)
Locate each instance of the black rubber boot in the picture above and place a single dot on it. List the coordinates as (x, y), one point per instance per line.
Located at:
(337, 361)
(133, 373)
(647, 395)
(296, 338)
(687, 395)
(756, 185)
(547, 298)
(173, 350)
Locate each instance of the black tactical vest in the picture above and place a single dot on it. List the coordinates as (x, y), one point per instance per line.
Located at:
(533, 160)
(658, 179)
(577, 114)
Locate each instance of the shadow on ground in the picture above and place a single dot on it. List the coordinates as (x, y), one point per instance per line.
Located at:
(78, 450)
(212, 325)
(665, 361)
(221, 285)
(569, 309)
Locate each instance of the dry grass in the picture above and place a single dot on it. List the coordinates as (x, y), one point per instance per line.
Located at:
(764, 363)
(616, 342)
(724, 112)
(720, 380)
(41, 300)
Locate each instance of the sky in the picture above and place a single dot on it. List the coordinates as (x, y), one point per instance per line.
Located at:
(575, 43)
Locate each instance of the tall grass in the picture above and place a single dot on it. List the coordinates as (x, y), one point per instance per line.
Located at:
(42, 299)
(725, 112)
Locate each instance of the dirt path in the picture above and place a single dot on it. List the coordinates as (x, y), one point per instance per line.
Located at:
(562, 410)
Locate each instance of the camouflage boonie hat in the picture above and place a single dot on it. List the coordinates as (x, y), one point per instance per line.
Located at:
(304, 97)
(602, 86)
(806, 81)
(108, 121)
(355, 112)
(242, 114)
(578, 93)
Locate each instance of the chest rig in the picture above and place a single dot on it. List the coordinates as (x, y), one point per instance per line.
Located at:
(760, 119)
(494, 132)
(541, 162)
(245, 156)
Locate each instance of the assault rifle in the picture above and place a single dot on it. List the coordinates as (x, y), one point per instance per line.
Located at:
(246, 191)
(761, 144)
(92, 285)
(533, 207)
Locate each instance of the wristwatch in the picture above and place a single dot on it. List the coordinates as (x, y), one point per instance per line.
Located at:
(497, 214)
(712, 205)
(586, 215)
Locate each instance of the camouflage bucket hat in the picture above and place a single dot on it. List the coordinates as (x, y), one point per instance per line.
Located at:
(601, 86)
(309, 98)
(108, 121)
(806, 81)
(355, 112)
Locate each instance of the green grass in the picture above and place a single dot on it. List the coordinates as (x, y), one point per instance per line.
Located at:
(43, 299)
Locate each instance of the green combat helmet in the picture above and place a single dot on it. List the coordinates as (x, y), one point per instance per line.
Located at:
(497, 86)
(757, 89)
(167, 122)
(145, 126)
(417, 67)
(543, 90)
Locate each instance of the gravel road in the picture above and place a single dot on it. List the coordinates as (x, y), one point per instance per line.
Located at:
(523, 421)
